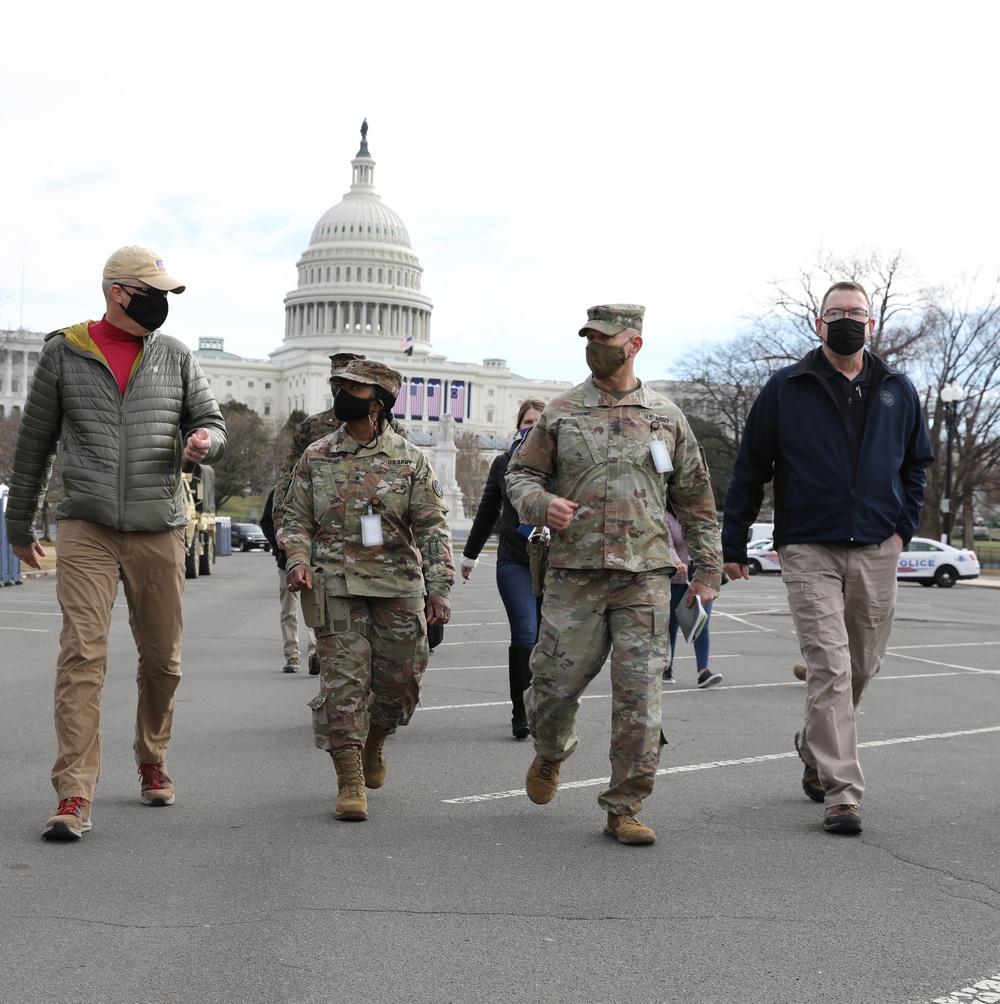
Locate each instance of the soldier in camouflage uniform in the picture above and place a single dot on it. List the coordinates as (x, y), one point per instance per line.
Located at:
(308, 431)
(372, 641)
(619, 453)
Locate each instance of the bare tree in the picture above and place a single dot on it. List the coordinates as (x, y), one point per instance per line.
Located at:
(471, 468)
(962, 327)
(248, 462)
(8, 439)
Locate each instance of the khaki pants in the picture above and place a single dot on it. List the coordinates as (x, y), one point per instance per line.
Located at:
(842, 601)
(91, 559)
(290, 619)
(585, 615)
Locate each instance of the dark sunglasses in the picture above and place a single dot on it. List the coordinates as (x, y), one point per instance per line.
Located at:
(143, 290)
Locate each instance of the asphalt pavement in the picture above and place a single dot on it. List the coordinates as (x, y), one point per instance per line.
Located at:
(457, 888)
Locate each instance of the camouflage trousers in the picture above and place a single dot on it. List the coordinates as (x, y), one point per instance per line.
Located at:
(585, 615)
(372, 656)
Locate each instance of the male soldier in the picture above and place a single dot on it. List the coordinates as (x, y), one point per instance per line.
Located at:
(619, 453)
(366, 516)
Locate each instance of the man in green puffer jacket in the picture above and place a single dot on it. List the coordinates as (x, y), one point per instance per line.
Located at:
(125, 406)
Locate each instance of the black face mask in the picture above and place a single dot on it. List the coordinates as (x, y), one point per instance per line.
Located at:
(148, 312)
(845, 336)
(348, 408)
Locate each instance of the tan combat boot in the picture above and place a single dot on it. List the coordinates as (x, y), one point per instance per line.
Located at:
(628, 830)
(373, 757)
(352, 803)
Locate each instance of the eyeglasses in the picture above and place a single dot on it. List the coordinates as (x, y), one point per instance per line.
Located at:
(835, 314)
(142, 290)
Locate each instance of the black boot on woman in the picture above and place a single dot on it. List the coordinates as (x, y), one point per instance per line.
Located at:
(520, 680)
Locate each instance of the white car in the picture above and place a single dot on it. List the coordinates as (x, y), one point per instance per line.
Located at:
(930, 562)
(762, 557)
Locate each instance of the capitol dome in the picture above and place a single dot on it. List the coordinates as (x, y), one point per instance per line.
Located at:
(359, 280)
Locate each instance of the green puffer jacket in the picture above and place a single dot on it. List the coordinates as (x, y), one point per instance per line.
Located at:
(121, 457)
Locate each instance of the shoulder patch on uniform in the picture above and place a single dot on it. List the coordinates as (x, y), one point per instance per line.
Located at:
(438, 490)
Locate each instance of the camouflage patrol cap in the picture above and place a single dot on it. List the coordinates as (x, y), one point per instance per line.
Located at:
(369, 371)
(340, 359)
(611, 318)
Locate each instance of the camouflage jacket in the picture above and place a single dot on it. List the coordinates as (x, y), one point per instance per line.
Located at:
(332, 487)
(307, 432)
(597, 451)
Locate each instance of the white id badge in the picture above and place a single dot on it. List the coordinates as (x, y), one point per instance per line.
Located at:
(371, 530)
(661, 456)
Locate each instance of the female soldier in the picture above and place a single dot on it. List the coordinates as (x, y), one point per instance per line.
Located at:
(513, 573)
(365, 524)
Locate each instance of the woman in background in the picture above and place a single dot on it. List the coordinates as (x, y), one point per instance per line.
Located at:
(513, 574)
(678, 587)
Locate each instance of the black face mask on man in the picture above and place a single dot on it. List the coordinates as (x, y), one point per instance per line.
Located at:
(348, 408)
(845, 336)
(148, 312)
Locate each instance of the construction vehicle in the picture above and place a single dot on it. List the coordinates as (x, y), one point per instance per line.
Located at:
(198, 485)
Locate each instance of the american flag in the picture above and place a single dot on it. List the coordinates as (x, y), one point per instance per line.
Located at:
(407, 345)
(433, 400)
(399, 408)
(417, 397)
(456, 408)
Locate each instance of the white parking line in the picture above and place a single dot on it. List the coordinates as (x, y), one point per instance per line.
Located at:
(741, 762)
(984, 992)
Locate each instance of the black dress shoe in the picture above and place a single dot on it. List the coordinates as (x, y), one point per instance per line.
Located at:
(520, 730)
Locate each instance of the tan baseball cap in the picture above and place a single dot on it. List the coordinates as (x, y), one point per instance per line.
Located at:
(134, 262)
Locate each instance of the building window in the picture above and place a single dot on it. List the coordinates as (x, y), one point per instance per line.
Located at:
(267, 407)
(490, 392)
(338, 273)
(380, 275)
(327, 273)
(249, 383)
(229, 383)
(267, 386)
(348, 273)
(489, 414)
(14, 385)
(369, 275)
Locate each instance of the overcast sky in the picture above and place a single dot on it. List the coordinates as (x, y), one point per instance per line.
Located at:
(544, 156)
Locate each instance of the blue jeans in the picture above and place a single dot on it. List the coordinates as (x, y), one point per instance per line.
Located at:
(701, 642)
(522, 606)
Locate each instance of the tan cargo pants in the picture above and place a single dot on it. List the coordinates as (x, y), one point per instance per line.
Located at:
(842, 600)
(91, 559)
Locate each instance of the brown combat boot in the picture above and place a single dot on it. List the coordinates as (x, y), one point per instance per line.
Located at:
(373, 757)
(628, 830)
(352, 803)
(542, 779)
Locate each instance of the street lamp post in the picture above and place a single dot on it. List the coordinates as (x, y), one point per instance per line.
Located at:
(951, 394)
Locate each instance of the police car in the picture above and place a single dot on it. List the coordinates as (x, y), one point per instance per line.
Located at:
(762, 556)
(930, 563)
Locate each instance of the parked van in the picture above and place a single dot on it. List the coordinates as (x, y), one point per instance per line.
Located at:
(759, 531)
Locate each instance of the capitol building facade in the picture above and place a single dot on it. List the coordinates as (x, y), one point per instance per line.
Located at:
(360, 290)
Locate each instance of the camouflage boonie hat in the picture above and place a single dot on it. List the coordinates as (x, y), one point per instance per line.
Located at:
(340, 359)
(611, 318)
(369, 371)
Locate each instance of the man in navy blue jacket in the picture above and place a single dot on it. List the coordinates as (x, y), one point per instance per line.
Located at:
(842, 436)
